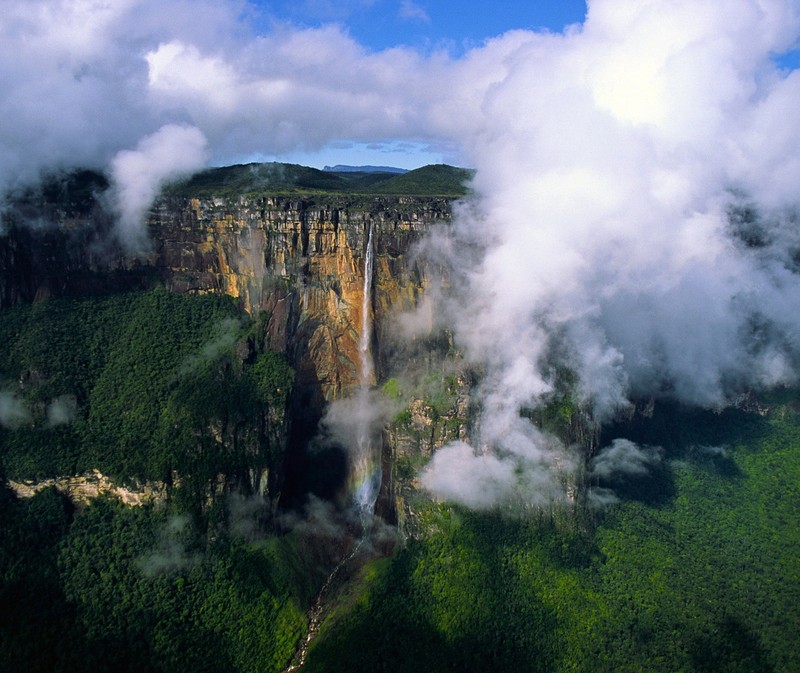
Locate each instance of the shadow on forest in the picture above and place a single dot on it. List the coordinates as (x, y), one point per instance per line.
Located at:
(482, 616)
(699, 436)
(732, 648)
(677, 427)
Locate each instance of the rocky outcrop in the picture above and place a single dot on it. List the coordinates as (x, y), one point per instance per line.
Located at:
(83, 488)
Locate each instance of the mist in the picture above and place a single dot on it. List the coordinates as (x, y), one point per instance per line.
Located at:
(634, 212)
(14, 411)
(635, 223)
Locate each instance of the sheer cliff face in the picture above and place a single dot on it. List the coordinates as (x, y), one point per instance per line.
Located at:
(297, 265)
(301, 263)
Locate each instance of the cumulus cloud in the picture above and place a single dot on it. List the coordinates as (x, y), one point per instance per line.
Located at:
(612, 164)
(85, 80)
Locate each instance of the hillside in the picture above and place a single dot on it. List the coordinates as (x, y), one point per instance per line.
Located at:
(280, 178)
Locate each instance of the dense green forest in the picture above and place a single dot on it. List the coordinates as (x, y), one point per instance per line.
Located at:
(128, 382)
(142, 386)
(695, 568)
(116, 588)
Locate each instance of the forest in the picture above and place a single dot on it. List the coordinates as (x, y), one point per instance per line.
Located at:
(695, 567)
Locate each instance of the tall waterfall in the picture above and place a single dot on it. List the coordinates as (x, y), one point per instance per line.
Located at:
(365, 468)
(366, 456)
(365, 342)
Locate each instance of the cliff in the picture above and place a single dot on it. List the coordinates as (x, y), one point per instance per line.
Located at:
(300, 264)
(296, 263)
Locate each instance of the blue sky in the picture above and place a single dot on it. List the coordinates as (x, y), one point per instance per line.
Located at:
(422, 25)
(428, 24)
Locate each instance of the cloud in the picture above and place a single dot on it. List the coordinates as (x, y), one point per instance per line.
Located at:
(609, 160)
(138, 175)
(14, 411)
(105, 85)
(530, 471)
(624, 458)
(458, 474)
(411, 11)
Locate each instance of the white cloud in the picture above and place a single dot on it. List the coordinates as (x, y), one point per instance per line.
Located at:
(606, 162)
(138, 174)
(411, 11)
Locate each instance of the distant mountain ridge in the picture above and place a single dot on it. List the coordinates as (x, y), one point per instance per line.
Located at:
(281, 178)
(343, 168)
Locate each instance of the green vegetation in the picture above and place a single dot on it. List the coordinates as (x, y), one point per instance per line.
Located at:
(154, 383)
(706, 579)
(434, 180)
(116, 588)
(695, 569)
(145, 385)
(278, 178)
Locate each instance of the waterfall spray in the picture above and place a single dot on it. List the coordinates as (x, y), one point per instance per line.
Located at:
(366, 465)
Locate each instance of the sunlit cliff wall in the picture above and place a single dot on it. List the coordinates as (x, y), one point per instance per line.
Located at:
(301, 263)
(295, 264)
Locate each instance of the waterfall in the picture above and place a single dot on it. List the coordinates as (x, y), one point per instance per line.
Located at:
(365, 469)
(366, 464)
(365, 342)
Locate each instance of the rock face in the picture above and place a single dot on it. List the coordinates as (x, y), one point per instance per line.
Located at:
(301, 263)
(54, 253)
(297, 264)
